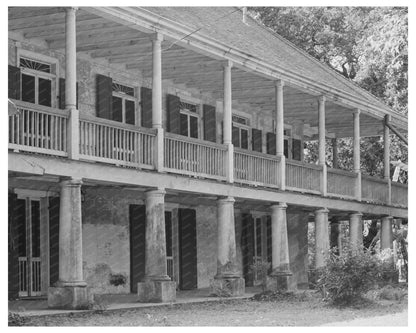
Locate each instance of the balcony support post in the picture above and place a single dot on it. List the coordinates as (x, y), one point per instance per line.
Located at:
(386, 236)
(227, 108)
(156, 285)
(157, 99)
(71, 83)
(386, 133)
(321, 236)
(280, 247)
(356, 230)
(280, 133)
(356, 154)
(321, 142)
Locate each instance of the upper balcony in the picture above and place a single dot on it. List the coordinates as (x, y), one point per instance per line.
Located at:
(43, 130)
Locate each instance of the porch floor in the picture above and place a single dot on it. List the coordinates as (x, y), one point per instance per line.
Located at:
(39, 306)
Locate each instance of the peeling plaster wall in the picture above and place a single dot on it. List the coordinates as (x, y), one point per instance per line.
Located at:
(105, 239)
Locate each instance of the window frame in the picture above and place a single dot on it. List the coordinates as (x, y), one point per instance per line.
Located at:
(189, 114)
(52, 76)
(124, 97)
(240, 127)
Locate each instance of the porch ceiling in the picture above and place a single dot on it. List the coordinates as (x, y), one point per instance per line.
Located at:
(127, 45)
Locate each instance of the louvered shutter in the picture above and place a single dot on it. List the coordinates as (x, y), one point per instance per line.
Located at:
(54, 207)
(257, 140)
(271, 143)
(146, 106)
(173, 106)
(236, 137)
(61, 97)
(296, 149)
(104, 96)
(210, 125)
(14, 82)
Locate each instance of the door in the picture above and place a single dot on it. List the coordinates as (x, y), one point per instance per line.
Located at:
(188, 273)
(26, 244)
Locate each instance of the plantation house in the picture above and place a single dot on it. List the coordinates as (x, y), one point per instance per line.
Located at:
(155, 149)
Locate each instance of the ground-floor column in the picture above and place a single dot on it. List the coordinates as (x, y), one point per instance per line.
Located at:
(228, 280)
(321, 236)
(335, 236)
(70, 291)
(386, 235)
(356, 230)
(280, 248)
(156, 285)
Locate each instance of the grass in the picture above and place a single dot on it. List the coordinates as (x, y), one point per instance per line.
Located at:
(301, 309)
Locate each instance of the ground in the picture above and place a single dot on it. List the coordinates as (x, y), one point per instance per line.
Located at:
(302, 311)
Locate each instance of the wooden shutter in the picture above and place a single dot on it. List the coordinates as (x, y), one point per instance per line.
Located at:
(14, 82)
(54, 203)
(137, 216)
(247, 247)
(146, 104)
(210, 123)
(269, 238)
(236, 136)
(271, 143)
(188, 274)
(296, 149)
(286, 148)
(257, 140)
(61, 97)
(104, 96)
(13, 266)
(173, 107)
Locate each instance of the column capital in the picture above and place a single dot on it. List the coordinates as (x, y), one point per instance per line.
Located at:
(356, 214)
(356, 112)
(227, 63)
(280, 205)
(155, 192)
(156, 37)
(71, 9)
(279, 83)
(387, 217)
(322, 99)
(73, 182)
(224, 200)
(322, 211)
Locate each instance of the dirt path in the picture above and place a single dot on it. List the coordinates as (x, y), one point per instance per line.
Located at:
(395, 319)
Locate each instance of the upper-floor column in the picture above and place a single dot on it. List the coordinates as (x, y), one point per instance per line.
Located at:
(387, 155)
(280, 132)
(321, 142)
(71, 82)
(157, 98)
(227, 108)
(356, 153)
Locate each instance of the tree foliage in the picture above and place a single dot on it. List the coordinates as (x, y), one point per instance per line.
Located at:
(368, 45)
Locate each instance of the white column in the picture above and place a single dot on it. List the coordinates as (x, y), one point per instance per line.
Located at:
(356, 153)
(71, 83)
(70, 235)
(356, 230)
(321, 236)
(387, 157)
(386, 237)
(157, 99)
(321, 141)
(227, 107)
(155, 253)
(280, 242)
(280, 133)
(227, 252)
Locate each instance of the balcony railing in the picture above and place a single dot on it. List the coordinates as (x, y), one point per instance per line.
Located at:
(303, 177)
(374, 189)
(108, 141)
(194, 157)
(399, 194)
(39, 129)
(256, 168)
(341, 183)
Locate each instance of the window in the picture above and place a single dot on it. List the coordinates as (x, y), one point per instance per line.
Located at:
(36, 81)
(189, 118)
(124, 104)
(240, 132)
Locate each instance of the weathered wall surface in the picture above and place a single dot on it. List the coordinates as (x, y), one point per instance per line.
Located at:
(297, 228)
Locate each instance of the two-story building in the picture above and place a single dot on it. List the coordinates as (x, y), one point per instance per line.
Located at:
(155, 149)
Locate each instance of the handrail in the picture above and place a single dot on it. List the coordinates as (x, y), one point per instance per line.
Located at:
(41, 108)
(342, 172)
(375, 179)
(186, 139)
(303, 164)
(258, 154)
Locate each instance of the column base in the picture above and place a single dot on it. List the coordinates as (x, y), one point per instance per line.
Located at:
(156, 291)
(227, 286)
(279, 281)
(69, 297)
